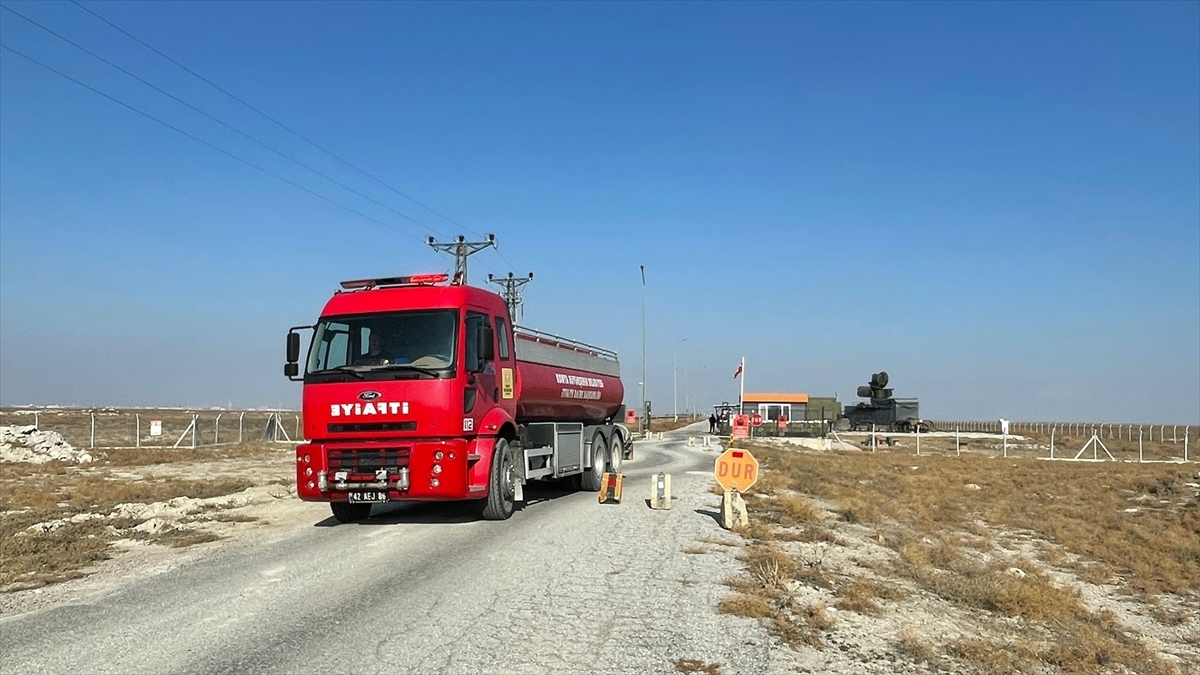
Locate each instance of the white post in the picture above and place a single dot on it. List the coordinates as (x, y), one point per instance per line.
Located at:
(240, 416)
(297, 427)
(918, 440)
(93, 441)
(1051, 442)
(138, 421)
(1185, 444)
(957, 447)
(1174, 433)
(217, 430)
(36, 425)
(1139, 445)
(195, 423)
(1005, 442)
(872, 437)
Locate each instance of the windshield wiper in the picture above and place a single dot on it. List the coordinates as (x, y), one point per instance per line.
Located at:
(405, 366)
(353, 370)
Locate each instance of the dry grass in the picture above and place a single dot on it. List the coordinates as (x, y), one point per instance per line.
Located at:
(859, 596)
(33, 494)
(1079, 507)
(692, 666)
(694, 550)
(911, 645)
(943, 534)
(765, 594)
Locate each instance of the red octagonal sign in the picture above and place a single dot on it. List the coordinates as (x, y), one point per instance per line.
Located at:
(756, 420)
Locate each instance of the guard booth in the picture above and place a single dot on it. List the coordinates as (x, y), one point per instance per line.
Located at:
(791, 414)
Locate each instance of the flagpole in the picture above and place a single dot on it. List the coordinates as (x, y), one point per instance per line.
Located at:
(742, 393)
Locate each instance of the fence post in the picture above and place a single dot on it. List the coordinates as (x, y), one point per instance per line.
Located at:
(297, 437)
(1174, 433)
(918, 440)
(1139, 445)
(36, 424)
(243, 414)
(217, 430)
(1051, 442)
(1005, 443)
(1185, 444)
(195, 423)
(872, 437)
(957, 447)
(93, 441)
(138, 428)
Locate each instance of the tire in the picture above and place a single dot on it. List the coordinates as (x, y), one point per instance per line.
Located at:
(345, 512)
(616, 452)
(500, 502)
(592, 479)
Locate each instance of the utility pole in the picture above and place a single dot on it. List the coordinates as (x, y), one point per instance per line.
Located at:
(645, 408)
(462, 249)
(512, 291)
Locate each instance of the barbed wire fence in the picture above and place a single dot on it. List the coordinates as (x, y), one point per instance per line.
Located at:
(158, 428)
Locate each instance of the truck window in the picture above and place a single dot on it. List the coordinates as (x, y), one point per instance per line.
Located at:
(475, 321)
(383, 341)
(502, 338)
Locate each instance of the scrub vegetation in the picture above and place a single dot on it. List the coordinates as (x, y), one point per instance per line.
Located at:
(1046, 566)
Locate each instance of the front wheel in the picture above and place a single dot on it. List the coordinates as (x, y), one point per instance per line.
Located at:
(501, 499)
(345, 512)
(616, 452)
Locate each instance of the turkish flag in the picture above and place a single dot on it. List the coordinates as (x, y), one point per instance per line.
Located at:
(737, 372)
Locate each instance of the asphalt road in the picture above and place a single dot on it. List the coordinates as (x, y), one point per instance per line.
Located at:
(565, 586)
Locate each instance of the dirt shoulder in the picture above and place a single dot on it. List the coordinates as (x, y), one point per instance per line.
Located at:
(131, 509)
(887, 562)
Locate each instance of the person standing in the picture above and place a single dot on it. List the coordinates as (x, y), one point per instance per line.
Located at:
(712, 424)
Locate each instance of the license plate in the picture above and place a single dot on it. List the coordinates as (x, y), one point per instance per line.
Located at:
(368, 497)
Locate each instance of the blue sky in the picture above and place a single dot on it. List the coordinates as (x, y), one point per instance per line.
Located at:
(997, 203)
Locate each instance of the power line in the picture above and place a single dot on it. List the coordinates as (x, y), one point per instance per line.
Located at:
(272, 119)
(204, 142)
(221, 122)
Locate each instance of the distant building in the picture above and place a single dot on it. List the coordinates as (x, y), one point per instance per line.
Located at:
(793, 407)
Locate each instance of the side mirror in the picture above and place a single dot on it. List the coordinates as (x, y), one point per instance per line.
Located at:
(487, 344)
(293, 348)
(291, 369)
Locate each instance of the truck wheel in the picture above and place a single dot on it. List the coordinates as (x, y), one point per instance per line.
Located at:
(499, 503)
(345, 512)
(593, 478)
(616, 452)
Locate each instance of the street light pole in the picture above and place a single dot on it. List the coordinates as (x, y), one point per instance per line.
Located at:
(675, 374)
(645, 413)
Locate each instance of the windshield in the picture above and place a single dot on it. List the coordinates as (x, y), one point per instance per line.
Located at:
(398, 344)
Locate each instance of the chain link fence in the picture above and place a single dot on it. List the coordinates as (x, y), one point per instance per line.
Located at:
(159, 428)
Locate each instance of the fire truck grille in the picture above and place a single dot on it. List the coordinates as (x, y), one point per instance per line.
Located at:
(376, 426)
(368, 460)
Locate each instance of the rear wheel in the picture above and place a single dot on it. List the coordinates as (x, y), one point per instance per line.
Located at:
(345, 512)
(616, 452)
(500, 502)
(593, 478)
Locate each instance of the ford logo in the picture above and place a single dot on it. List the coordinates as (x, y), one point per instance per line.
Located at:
(369, 395)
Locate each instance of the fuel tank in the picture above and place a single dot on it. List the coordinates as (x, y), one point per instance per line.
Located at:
(563, 380)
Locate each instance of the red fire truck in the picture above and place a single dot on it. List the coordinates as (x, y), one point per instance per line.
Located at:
(419, 390)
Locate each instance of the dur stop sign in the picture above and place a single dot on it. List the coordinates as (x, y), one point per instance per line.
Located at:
(736, 470)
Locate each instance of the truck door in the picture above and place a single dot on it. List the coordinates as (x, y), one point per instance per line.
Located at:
(483, 387)
(506, 367)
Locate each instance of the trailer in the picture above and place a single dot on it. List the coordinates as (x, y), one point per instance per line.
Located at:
(415, 390)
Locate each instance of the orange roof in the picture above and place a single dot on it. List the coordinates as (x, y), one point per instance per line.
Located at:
(775, 398)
